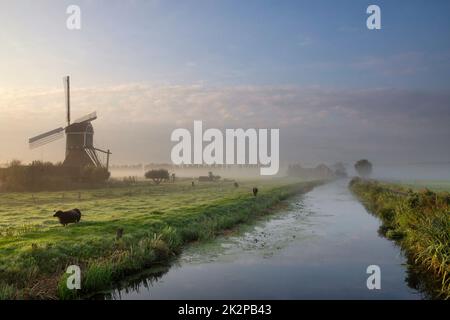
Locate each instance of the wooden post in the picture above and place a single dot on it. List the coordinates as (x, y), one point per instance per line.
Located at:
(107, 160)
(68, 99)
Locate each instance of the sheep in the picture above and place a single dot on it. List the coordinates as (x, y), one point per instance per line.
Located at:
(70, 216)
(255, 191)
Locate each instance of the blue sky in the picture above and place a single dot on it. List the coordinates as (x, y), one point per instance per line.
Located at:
(230, 42)
(337, 90)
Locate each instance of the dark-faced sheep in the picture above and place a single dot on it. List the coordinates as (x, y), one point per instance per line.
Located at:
(70, 216)
(255, 191)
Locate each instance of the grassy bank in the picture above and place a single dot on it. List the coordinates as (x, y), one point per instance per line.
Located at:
(157, 221)
(418, 220)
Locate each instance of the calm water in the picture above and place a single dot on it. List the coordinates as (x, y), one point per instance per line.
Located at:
(317, 248)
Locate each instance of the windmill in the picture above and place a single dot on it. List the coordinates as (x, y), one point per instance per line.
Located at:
(80, 149)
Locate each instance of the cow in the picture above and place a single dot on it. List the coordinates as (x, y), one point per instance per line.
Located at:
(255, 191)
(70, 216)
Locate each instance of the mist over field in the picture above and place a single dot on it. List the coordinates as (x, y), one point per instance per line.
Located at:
(420, 171)
(316, 125)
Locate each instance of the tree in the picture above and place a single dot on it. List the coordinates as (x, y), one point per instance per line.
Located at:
(15, 177)
(158, 175)
(339, 170)
(364, 168)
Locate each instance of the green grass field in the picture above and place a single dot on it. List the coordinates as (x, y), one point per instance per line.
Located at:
(157, 220)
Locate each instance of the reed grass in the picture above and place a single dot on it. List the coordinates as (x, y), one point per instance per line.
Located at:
(418, 220)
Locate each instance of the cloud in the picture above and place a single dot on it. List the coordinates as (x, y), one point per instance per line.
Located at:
(321, 123)
(402, 64)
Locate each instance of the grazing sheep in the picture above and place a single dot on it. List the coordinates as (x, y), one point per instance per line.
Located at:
(66, 217)
(255, 191)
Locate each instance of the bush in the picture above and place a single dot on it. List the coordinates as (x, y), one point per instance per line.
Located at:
(93, 174)
(157, 175)
(40, 176)
(364, 168)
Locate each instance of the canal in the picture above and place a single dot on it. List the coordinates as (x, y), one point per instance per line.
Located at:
(317, 247)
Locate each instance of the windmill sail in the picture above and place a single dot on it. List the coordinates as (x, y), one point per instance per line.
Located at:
(45, 138)
(66, 81)
(89, 117)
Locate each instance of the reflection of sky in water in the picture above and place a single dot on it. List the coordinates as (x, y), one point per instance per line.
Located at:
(319, 247)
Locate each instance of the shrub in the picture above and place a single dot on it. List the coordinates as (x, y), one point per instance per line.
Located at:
(157, 175)
(364, 168)
(40, 176)
(91, 174)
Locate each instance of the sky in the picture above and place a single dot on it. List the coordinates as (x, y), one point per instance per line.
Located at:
(336, 90)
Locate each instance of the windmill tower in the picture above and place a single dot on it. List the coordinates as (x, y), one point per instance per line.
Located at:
(80, 150)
